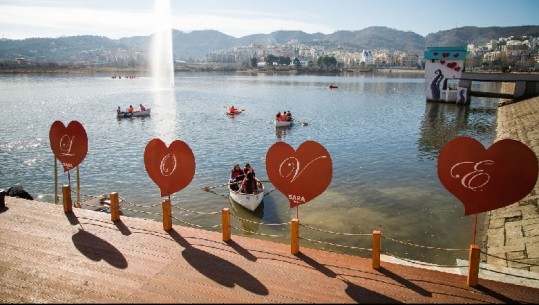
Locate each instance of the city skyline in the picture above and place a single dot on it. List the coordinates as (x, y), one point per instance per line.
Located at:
(123, 18)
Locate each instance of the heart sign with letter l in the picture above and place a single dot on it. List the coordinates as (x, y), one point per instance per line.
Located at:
(69, 144)
(487, 179)
(302, 174)
(171, 168)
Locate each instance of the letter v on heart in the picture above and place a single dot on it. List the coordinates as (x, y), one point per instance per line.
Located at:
(302, 174)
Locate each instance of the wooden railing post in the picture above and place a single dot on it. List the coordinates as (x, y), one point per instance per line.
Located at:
(376, 246)
(66, 198)
(114, 206)
(294, 236)
(225, 219)
(167, 215)
(473, 266)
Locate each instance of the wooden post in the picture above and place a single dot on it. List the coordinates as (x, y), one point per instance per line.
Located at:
(376, 247)
(55, 180)
(78, 189)
(473, 266)
(66, 197)
(114, 206)
(167, 215)
(294, 236)
(225, 219)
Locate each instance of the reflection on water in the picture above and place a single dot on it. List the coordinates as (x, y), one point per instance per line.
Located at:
(280, 132)
(443, 122)
(164, 115)
(250, 221)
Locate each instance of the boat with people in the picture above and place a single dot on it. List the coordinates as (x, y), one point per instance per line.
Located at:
(136, 113)
(333, 86)
(283, 119)
(248, 201)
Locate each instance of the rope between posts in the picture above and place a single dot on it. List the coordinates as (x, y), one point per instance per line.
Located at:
(257, 233)
(257, 222)
(195, 212)
(422, 263)
(337, 233)
(420, 246)
(336, 245)
(195, 225)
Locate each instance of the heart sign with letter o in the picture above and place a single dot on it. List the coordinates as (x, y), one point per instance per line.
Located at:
(487, 179)
(171, 168)
(69, 144)
(300, 174)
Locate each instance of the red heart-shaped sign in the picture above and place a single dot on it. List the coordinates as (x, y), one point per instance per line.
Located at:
(302, 174)
(442, 61)
(69, 144)
(445, 54)
(452, 65)
(487, 179)
(171, 168)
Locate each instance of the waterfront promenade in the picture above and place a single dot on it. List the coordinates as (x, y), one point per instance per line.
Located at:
(48, 256)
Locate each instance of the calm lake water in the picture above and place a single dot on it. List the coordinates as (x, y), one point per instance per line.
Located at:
(382, 135)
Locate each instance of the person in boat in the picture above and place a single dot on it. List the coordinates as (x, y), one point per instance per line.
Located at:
(236, 176)
(248, 186)
(247, 168)
(142, 108)
(118, 110)
(278, 116)
(289, 115)
(232, 110)
(130, 109)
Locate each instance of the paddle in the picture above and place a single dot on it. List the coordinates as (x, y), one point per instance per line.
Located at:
(302, 123)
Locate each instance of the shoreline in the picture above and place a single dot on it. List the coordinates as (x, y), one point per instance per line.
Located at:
(146, 71)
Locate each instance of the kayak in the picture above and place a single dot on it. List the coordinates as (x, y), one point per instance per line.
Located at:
(237, 111)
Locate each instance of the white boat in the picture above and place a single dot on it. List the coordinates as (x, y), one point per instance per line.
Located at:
(138, 113)
(283, 123)
(248, 201)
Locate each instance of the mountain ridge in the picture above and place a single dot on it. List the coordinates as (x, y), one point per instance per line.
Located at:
(196, 45)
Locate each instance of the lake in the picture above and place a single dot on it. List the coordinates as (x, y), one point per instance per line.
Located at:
(382, 136)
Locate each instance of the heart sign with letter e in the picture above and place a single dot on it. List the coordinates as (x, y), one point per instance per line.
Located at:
(487, 179)
(300, 174)
(171, 168)
(69, 144)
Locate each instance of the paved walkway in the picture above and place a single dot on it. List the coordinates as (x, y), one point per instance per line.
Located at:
(48, 256)
(511, 236)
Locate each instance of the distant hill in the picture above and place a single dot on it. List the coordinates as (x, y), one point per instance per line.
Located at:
(196, 44)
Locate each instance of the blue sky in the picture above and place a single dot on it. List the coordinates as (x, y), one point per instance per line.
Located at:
(115, 19)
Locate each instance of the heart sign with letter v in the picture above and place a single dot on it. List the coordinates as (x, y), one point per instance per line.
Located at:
(487, 179)
(302, 174)
(171, 168)
(69, 144)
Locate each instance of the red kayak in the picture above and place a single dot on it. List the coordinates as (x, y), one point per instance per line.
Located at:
(234, 113)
